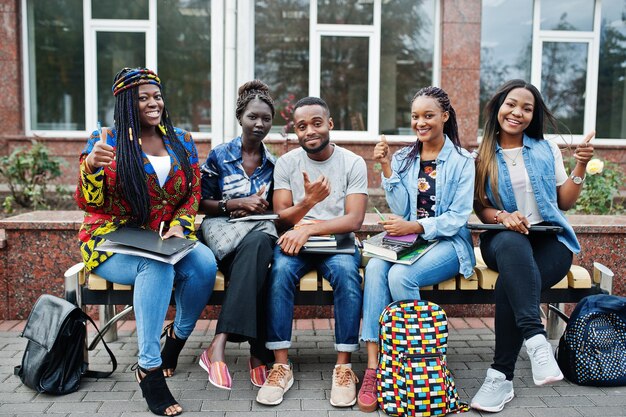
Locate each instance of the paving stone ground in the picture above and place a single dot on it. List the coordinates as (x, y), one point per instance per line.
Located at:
(470, 353)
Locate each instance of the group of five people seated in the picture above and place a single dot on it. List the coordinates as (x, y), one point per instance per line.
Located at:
(147, 172)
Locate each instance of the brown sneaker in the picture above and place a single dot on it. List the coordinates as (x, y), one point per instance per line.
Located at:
(278, 382)
(343, 392)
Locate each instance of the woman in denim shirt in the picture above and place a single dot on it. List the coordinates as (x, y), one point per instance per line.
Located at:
(237, 181)
(532, 188)
(429, 187)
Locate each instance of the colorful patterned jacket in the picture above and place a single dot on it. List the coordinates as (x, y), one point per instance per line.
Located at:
(106, 210)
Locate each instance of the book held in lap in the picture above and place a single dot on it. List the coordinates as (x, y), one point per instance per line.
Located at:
(147, 243)
(377, 247)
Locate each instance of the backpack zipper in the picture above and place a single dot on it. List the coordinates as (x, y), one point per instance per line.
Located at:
(403, 355)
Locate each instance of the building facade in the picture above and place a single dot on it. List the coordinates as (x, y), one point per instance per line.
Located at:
(366, 58)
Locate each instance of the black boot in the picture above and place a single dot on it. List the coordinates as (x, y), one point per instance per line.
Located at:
(155, 391)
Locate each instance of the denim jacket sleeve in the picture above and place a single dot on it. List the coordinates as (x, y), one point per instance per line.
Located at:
(455, 196)
(395, 187)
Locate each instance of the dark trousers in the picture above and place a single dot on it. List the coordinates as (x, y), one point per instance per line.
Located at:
(527, 265)
(243, 314)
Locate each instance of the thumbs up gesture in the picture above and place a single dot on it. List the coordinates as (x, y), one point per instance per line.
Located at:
(381, 150)
(381, 155)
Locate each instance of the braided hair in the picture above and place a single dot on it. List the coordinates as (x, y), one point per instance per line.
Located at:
(255, 89)
(450, 127)
(131, 175)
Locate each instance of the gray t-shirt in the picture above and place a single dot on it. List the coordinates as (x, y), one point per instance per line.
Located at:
(345, 170)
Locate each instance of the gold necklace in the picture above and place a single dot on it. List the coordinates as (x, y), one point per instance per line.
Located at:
(513, 160)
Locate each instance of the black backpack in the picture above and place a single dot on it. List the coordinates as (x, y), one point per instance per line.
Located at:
(54, 359)
(592, 351)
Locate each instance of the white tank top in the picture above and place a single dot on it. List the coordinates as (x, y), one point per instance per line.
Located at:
(161, 165)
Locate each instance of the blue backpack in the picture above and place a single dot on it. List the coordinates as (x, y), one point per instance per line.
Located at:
(592, 351)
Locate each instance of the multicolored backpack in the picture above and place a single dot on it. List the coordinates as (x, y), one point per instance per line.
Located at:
(413, 378)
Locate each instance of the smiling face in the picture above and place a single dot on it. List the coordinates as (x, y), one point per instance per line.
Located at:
(312, 125)
(516, 112)
(256, 120)
(150, 105)
(427, 119)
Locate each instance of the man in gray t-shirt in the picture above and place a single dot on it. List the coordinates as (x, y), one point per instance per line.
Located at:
(319, 181)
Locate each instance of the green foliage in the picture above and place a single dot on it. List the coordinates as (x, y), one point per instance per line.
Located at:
(599, 192)
(27, 173)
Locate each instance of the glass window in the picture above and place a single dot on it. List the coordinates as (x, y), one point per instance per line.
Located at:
(506, 44)
(119, 9)
(563, 82)
(56, 65)
(281, 54)
(406, 59)
(567, 15)
(345, 12)
(611, 106)
(116, 50)
(184, 61)
(344, 80)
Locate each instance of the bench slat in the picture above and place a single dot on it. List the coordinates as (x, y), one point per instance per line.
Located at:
(309, 281)
(578, 277)
(483, 278)
(467, 284)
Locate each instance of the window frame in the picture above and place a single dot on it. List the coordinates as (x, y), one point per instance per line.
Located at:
(592, 40)
(245, 69)
(91, 27)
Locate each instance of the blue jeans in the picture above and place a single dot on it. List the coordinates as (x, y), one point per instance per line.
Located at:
(341, 270)
(194, 276)
(386, 282)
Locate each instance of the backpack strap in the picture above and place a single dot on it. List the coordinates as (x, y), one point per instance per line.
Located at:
(100, 374)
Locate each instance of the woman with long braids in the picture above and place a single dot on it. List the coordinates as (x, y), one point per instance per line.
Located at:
(429, 187)
(146, 174)
(236, 182)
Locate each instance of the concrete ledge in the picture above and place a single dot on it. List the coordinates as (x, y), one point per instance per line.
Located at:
(37, 247)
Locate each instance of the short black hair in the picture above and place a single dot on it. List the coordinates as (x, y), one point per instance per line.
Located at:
(312, 101)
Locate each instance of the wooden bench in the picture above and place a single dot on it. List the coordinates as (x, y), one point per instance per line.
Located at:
(85, 289)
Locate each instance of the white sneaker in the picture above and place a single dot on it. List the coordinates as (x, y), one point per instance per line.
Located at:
(343, 392)
(544, 366)
(494, 393)
(278, 382)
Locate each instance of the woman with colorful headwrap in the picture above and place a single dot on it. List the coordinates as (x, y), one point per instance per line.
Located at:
(236, 182)
(144, 174)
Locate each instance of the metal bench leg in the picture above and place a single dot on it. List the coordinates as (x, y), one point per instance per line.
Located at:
(106, 313)
(554, 325)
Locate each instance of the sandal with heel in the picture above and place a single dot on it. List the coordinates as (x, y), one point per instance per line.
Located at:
(171, 349)
(155, 391)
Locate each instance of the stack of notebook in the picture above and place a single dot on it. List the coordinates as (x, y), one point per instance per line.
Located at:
(404, 249)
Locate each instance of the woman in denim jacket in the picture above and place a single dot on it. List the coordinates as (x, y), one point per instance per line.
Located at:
(531, 188)
(429, 188)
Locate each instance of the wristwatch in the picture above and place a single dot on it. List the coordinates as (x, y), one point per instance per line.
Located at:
(221, 207)
(576, 179)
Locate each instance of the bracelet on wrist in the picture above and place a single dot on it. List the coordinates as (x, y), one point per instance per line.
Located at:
(86, 167)
(221, 207)
(495, 217)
